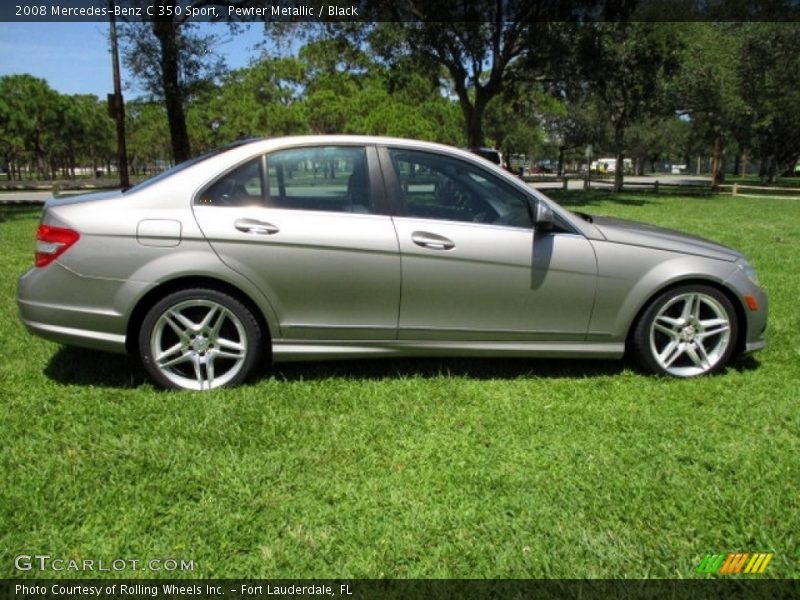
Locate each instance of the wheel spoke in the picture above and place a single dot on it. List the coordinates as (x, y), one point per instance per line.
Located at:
(170, 351)
(170, 320)
(688, 307)
(701, 352)
(668, 331)
(198, 372)
(700, 359)
(184, 321)
(214, 329)
(210, 369)
(227, 354)
(209, 316)
(671, 352)
(670, 322)
(713, 327)
(185, 357)
(230, 344)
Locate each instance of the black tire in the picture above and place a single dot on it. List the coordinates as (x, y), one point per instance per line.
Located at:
(686, 331)
(199, 339)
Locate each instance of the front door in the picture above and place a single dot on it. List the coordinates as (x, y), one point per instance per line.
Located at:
(472, 266)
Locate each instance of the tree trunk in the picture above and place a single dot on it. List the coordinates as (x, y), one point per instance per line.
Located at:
(167, 34)
(619, 137)
(474, 123)
(717, 170)
(561, 150)
(618, 174)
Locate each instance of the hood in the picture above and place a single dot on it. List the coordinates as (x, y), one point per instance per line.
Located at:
(77, 198)
(632, 233)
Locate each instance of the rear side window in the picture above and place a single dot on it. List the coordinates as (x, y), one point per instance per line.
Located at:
(240, 187)
(323, 178)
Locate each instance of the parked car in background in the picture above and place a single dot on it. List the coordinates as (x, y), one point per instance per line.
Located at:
(490, 154)
(609, 165)
(325, 247)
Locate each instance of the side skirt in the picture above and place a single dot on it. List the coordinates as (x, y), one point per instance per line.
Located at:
(298, 350)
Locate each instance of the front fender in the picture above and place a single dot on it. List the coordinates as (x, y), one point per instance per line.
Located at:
(628, 280)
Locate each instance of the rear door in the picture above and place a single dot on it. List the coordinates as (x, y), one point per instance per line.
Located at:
(308, 226)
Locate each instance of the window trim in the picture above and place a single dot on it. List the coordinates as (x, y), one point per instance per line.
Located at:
(396, 198)
(374, 173)
(199, 194)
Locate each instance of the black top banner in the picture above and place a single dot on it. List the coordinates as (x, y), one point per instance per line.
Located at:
(253, 11)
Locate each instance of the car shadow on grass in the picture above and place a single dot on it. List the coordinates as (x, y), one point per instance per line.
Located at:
(77, 366)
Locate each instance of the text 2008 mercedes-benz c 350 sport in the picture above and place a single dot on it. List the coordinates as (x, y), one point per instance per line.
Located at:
(329, 247)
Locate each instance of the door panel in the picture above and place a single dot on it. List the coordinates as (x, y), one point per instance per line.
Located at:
(327, 275)
(304, 224)
(494, 283)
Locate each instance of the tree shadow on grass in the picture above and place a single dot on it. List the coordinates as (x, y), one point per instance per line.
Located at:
(581, 198)
(77, 366)
(9, 212)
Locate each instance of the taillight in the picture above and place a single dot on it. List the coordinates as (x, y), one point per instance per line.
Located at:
(52, 242)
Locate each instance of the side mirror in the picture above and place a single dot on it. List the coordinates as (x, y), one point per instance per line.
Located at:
(543, 219)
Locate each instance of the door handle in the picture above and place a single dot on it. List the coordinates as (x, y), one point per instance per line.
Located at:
(255, 226)
(432, 241)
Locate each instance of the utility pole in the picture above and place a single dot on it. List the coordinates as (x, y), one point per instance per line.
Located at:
(116, 106)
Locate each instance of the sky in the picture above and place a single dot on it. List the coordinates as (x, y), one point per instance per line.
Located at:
(74, 58)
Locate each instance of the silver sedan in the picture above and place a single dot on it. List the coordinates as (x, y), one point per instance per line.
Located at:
(330, 247)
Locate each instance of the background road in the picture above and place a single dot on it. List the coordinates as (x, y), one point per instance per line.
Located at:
(39, 196)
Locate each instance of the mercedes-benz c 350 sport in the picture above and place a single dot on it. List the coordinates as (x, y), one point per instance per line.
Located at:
(329, 247)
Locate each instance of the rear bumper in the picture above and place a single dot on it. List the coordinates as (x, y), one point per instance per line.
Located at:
(62, 306)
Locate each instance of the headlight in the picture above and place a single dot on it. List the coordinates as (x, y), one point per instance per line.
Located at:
(748, 269)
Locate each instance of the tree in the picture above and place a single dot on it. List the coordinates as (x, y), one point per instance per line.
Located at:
(628, 67)
(30, 118)
(769, 79)
(482, 45)
(173, 60)
(145, 124)
(707, 88)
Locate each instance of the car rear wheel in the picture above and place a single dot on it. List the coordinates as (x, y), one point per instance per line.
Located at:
(685, 332)
(200, 339)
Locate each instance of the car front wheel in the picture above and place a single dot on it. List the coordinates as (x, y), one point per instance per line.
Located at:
(685, 332)
(200, 339)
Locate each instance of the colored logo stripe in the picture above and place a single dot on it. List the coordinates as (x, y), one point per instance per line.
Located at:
(759, 562)
(711, 563)
(734, 562)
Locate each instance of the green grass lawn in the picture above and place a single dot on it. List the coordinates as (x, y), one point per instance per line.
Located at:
(414, 468)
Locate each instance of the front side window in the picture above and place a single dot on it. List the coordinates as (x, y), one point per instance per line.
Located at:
(440, 187)
(240, 187)
(329, 178)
